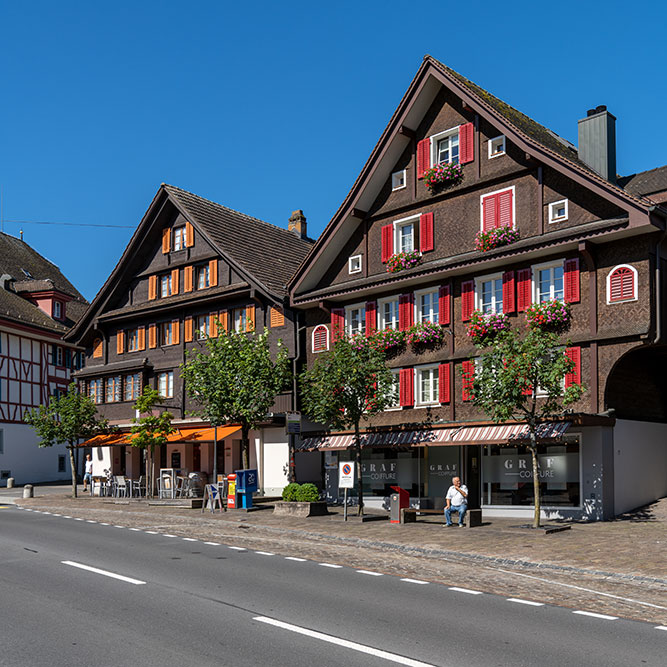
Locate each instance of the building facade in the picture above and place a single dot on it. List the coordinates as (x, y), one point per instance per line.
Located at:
(580, 235)
(38, 305)
(191, 267)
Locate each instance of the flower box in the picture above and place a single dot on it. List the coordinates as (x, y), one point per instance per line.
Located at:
(549, 316)
(443, 175)
(483, 328)
(425, 334)
(495, 238)
(401, 261)
(388, 341)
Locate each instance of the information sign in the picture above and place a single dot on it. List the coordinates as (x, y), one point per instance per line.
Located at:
(293, 422)
(346, 475)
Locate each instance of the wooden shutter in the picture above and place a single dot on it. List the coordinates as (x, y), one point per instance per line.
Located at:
(426, 241)
(337, 323)
(524, 289)
(489, 206)
(189, 235)
(371, 318)
(277, 317)
(152, 287)
(423, 157)
(320, 338)
(250, 318)
(405, 311)
(509, 292)
(175, 280)
(387, 242)
(571, 280)
(188, 282)
(152, 335)
(166, 240)
(141, 336)
(98, 349)
(574, 377)
(444, 303)
(443, 382)
(212, 326)
(468, 378)
(504, 203)
(467, 299)
(466, 143)
(120, 342)
(223, 317)
(622, 284)
(213, 273)
(406, 387)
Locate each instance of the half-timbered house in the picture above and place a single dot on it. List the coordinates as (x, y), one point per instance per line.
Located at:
(585, 237)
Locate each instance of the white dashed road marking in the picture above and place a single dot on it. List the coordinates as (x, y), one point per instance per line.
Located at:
(298, 560)
(213, 544)
(190, 539)
(414, 581)
(96, 570)
(265, 553)
(602, 616)
(152, 532)
(464, 590)
(336, 567)
(238, 548)
(373, 574)
(530, 602)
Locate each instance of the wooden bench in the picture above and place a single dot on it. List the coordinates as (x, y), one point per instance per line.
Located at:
(409, 515)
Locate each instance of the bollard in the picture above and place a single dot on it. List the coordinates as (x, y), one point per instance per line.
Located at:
(27, 491)
(10, 482)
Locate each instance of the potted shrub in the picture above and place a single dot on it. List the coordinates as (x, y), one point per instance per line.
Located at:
(443, 175)
(401, 261)
(549, 316)
(482, 328)
(301, 500)
(495, 238)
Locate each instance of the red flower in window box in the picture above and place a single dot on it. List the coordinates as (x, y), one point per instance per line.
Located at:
(401, 261)
(495, 238)
(483, 328)
(442, 175)
(549, 316)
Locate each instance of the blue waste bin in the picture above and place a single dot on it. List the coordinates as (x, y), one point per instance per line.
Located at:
(246, 483)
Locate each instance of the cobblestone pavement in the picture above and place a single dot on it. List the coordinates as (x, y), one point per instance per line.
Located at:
(617, 567)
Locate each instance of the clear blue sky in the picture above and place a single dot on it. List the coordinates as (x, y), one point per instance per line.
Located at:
(267, 107)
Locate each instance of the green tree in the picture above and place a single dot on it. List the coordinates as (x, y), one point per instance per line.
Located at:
(68, 418)
(346, 385)
(522, 378)
(235, 380)
(151, 429)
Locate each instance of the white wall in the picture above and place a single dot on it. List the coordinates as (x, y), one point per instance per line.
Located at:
(640, 464)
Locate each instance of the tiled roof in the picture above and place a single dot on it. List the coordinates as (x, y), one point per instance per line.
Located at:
(646, 182)
(270, 254)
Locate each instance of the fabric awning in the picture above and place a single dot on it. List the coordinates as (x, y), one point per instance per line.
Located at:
(495, 434)
(108, 440)
(202, 434)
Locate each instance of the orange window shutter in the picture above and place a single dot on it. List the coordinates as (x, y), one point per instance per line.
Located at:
(224, 320)
(212, 325)
(141, 335)
(277, 317)
(152, 335)
(213, 272)
(187, 279)
(175, 332)
(120, 342)
(175, 279)
(97, 348)
(166, 240)
(250, 318)
(152, 287)
(187, 333)
(189, 235)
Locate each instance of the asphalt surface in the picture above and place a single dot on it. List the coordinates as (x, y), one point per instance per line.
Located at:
(210, 604)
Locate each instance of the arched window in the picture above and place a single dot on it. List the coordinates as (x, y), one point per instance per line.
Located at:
(97, 348)
(320, 338)
(622, 284)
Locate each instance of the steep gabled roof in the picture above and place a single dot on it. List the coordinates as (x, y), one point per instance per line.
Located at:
(646, 183)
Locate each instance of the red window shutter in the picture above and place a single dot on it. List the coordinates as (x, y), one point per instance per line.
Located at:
(574, 377)
(371, 318)
(444, 303)
(504, 208)
(387, 242)
(426, 241)
(320, 336)
(443, 382)
(509, 301)
(337, 323)
(467, 299)
(466, 143)
(405, 311)
(622, 284)
(571, 280)
(423, 157)
(406, 390)
(468, 379)
(489, 206)
(523, 289)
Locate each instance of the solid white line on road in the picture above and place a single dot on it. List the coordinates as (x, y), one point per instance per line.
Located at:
(373, 574)
(530, 602)
(190, 539)
(151, 532)
(336, 567)
(661, 627)
(464, 590)
(264, 553)
(238, 548)
(298, 560)
(414, 581)
(393, 657)
(213, 544)
(96, 570)
(602, 616)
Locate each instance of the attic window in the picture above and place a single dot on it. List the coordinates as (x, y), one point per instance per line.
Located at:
(496, 147)
(179, 238)
(398, 180)
(354, 264)
(57, 310)
(558, 211)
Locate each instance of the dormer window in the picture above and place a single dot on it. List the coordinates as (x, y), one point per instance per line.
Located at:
(57, 310)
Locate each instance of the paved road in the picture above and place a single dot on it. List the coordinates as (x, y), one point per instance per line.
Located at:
(186, 602)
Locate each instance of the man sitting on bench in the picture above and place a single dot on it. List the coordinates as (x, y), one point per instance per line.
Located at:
(457, 500)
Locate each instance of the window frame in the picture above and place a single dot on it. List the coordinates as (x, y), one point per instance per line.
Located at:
(133, 387)
(382, 323)
(479, 304)
(57, 310)
(169, 382)
(495, 192)
(350, 263)
(552, 206)
(411, 221)
(202, 269)
(164, 327)
(446, 134)
(181, 235)
(348, 318)
(502, 139)
(635, 284)
(132, 340)
(162, 278)
(435, 385)
(242, 318)
(435, 305)
(535, 269)
(401, 174)
(396, 375)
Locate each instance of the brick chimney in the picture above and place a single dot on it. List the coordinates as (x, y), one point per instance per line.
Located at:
(297, 224)
(597, 142)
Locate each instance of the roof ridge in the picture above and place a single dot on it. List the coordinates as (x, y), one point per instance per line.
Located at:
(646, 171)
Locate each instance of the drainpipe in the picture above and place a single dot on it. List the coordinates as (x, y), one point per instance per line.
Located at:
(659, 254)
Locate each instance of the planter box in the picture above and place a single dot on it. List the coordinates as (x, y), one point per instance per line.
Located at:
(300, 509)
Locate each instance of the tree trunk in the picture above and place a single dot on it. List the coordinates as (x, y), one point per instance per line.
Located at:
(536, 477)
(357, 457)
(72, 465)
(245, 446)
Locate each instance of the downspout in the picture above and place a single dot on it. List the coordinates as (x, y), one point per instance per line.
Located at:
(659, 254)
(586, 251)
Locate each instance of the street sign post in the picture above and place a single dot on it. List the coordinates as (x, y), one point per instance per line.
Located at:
(346, 481)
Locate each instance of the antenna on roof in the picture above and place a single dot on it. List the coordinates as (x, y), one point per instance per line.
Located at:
(21, 234)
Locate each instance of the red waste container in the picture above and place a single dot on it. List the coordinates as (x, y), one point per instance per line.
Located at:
(399, 500)
(231, 491)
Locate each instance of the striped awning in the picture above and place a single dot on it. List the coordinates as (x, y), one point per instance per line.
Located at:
(495, 434)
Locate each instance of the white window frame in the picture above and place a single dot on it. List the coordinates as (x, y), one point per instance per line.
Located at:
(435, 138)
(203, 270)
(354, 264)
(169, 383)
(417, 299)
(396, 376)
(501, 141)
(399, 176)
(57, 310)
(552, 210)
(201, 332)
(312, 339)
(636, 284)
(164, 328)
(348, 318)
(382, 323)
(495, 192)
(404, 222)
(180, 236)
(417, 388)
(165, 278)
(535, 278)
(478, 291)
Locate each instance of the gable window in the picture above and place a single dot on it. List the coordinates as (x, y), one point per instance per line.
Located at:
(132, 387)
(166, 333)
(113, 392)
(490, 294)
(497, 209)
(179, 238)
(320, 342)
(558, 211)
(404, 234)
(496, 146)
(57, 310)
(427, 381)
(203, 276)
(165, 384)
(622, 284)
(355, 320)
(548, 282)
(388, 309)
(398, 181)
(445, 147)
(354, 264)
(165, 285)
(95, 390)
(426, 306)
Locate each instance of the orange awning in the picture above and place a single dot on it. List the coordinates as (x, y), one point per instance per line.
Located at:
(108, 440)
(205, 434)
